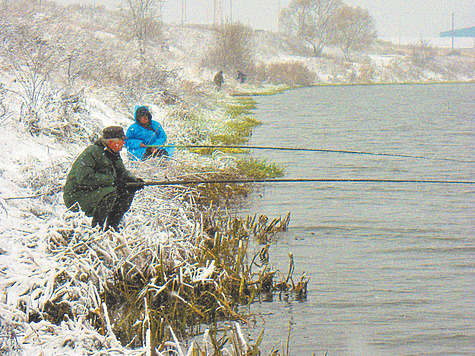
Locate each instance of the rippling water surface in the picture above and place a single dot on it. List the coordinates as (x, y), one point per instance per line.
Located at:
(391, 266)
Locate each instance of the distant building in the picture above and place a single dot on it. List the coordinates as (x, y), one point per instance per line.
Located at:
(468, 32)
(463, 32)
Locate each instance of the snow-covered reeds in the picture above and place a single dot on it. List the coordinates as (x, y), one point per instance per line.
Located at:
(174, 266)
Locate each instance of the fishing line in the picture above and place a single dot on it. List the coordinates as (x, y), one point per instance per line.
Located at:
(300, 180)
(321, 150)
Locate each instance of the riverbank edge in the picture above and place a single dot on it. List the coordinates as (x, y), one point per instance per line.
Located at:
(322, 85)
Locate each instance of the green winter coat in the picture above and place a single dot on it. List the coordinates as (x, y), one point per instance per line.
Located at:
(92, 177)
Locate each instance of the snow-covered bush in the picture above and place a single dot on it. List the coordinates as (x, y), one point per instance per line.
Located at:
(421, 53)
(289, 73)
(147, 81)
(31, 59)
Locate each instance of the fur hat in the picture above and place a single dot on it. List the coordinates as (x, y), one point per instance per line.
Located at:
(113, 132)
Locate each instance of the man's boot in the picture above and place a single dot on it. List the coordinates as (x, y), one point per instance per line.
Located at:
(120, 207)
(103, 209)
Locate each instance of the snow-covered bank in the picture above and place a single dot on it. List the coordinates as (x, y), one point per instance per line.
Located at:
(54, 267)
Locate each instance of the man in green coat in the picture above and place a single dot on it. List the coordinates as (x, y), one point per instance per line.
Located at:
(98, 181)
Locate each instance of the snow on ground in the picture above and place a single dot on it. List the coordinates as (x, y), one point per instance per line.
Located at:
(99, 110)
(32, 172)
(26, 221)
(381, 60)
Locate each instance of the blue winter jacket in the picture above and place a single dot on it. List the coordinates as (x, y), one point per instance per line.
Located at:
(137, 134)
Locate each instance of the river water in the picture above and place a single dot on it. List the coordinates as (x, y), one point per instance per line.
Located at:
(391, 266)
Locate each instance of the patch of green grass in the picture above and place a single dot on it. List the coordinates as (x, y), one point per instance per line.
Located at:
(239, 130)
(264, 91)
(242, 106)
(227, 139)
(259, 168)
(242, 127)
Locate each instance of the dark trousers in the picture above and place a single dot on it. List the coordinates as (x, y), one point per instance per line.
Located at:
(112, 207)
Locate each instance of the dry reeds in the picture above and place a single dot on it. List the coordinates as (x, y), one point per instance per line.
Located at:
(126, 286)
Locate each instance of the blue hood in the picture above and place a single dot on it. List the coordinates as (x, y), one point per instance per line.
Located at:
(140, 110)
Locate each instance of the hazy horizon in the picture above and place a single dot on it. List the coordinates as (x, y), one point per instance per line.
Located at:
(394, 19)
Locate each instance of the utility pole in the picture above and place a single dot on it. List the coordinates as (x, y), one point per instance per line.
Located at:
(183, 11)
(160, 13)
(399, 32)
(453, 15)
(278, 16)
(231, 11)
(219, 11)
(400, 27)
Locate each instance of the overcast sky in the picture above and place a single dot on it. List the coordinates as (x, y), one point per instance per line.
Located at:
(423, 19)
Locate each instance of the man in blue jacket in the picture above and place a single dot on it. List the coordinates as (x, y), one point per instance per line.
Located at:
(144, 135)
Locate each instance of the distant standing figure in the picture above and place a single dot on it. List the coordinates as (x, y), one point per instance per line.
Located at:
(98, 179)
(218, 80)
(145, 133)
(241, 76)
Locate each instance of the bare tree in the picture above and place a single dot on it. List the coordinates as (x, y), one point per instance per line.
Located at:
(233, 47)
(3, 108)
(142, 21)
(310, 20)
(353, 28)
(31, 59)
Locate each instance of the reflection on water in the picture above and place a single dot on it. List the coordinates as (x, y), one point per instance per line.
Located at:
(391, 265)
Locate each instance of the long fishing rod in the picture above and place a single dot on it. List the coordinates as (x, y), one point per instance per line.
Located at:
(280, 180)
(299, 180)
(321, 150)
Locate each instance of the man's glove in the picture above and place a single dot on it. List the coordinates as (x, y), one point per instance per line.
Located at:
(119, 183)
(137, 184)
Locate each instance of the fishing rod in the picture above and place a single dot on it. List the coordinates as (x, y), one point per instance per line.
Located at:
(298, 180)
(279, 180)
(321, 150)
